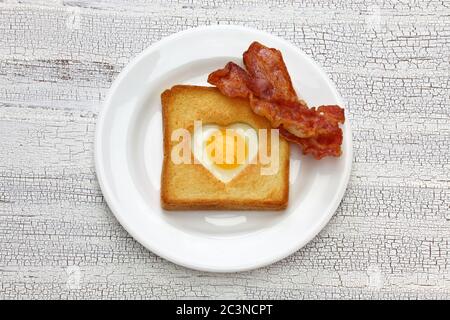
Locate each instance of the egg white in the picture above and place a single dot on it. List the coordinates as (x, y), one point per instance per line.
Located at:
(203, 133)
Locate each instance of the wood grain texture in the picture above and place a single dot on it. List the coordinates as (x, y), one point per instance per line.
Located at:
(390, 237)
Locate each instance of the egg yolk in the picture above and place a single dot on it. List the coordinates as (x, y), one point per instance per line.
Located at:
(227, 149)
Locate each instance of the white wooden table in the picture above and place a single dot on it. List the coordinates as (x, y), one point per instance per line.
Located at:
(390, 237)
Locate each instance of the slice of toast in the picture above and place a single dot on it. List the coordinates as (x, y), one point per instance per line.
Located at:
(192, 186)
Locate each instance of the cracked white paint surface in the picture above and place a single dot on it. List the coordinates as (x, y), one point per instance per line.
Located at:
(390, 237)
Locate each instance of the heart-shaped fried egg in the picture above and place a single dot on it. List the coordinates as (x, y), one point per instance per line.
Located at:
(225, 151)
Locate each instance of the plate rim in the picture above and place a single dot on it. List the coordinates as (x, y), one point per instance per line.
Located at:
(113, 204)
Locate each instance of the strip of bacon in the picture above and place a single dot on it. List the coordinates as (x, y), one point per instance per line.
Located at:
(268, 86)
(232, 81)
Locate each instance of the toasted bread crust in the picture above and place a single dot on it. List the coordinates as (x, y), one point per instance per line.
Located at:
(192, 186)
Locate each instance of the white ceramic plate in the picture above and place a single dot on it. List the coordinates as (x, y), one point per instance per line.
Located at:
(128, 158)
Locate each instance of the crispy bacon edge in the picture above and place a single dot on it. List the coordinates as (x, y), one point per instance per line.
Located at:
(231, 81)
